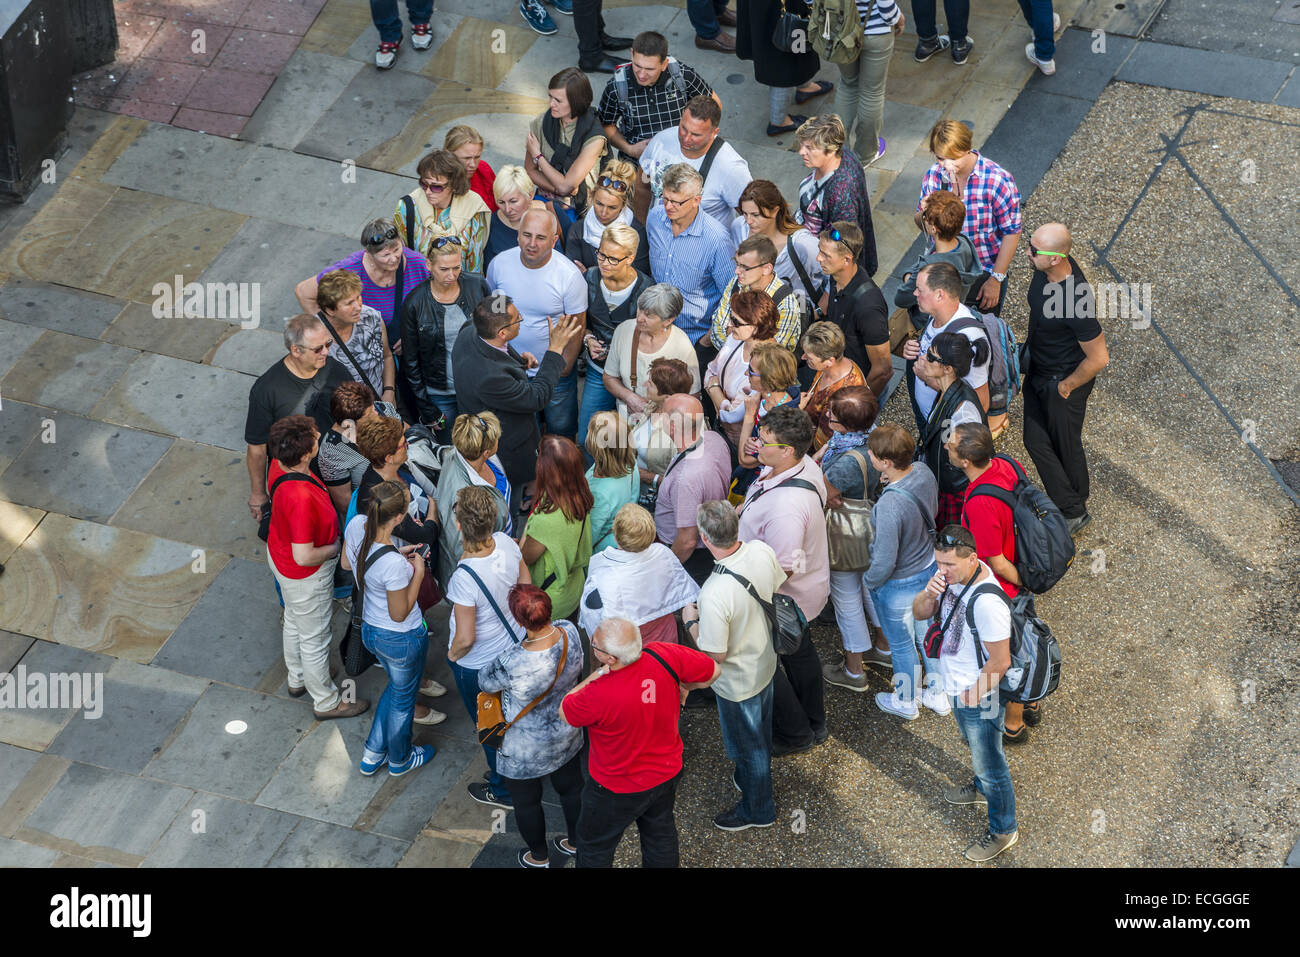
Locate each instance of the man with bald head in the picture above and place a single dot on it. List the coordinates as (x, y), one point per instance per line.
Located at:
(1066, 348)
(700, 472)
(544, 284)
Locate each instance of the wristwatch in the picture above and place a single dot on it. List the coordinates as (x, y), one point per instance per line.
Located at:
(999, 276)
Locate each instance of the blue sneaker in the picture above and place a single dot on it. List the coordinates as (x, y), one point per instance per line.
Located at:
(563, 6)
(535, 16)
(420, 754)
(368, 768)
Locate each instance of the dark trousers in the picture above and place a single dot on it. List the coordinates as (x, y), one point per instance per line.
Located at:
(1054, 440)
(606, 815)
(700, 565)
(799, 711)
(957, 12)
(706, 352)
(590, 25)
(527, 795)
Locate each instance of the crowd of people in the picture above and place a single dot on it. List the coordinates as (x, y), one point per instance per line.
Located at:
(617, 404)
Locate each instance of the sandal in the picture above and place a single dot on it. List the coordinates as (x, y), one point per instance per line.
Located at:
(1033, 714)
(1020, 736)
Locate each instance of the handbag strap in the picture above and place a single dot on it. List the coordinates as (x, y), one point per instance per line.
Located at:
(862, 465)
(714, 148)
(667, 666)
(348, 352)
(365, 567)
(636, 346)
(803, 277)
(925, 515)
(957, 604)
(491, 601)
(792, 483)
(408, 206)
(768, 608)
(559, 670)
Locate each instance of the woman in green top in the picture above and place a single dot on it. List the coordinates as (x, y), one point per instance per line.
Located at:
(556, 543)
(613, 477)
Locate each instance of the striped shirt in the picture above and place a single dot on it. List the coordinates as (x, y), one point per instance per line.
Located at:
(884, 14)
(380, 298)
(698, 262)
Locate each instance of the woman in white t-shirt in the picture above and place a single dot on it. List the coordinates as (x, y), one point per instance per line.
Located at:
(481, 625)
(654, 336)
(392, 628)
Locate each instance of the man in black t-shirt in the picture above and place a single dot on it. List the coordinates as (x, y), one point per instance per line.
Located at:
(1066, 348)
(856, 304)
(300, 383)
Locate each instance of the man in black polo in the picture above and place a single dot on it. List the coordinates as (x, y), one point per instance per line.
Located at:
(647, 95)
(856, 304)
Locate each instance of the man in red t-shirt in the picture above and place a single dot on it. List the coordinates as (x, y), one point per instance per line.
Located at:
(630, 706)
(991, 521)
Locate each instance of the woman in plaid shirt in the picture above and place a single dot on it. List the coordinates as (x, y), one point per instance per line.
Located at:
(992, 204)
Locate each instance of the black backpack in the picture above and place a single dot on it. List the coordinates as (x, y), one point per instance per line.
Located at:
(1044, 546)
(1035, 654)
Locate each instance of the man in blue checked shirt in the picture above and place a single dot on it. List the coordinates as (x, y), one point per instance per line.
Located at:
(688, 250)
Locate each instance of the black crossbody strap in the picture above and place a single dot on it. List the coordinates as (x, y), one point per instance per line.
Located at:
(986, 588)
(790, 483)
(768, 608)
(803, 277)
(943, 629)
(491, 601)
(348, 352)
(667, 666)
(408, 206)
(290, 477)
(714, 148)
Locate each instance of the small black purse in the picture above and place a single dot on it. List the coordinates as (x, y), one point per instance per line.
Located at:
(790, 31)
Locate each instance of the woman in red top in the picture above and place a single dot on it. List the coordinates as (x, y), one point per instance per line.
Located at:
(302, 549)
(465, 143)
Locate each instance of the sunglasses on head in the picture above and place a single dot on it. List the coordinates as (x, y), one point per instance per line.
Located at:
(377, 239)
(617, 185)
(444, 240)
(837, 236)
(1035, 251)
(946, 542)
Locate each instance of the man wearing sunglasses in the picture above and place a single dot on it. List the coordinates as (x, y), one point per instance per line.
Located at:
(301, 383)
(695, 141)
(1065, 350)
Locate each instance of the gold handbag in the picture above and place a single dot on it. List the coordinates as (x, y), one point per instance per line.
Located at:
(848, 528)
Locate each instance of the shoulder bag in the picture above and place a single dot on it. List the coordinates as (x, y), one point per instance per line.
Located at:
(356, 656)
(785, 619)
(934, 634)
(788, 30)
(848, 528)
(492, 726)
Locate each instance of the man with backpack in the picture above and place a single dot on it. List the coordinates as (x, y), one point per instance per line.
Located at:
(962, 599)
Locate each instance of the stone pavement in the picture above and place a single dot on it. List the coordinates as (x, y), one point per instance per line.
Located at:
(129, 553)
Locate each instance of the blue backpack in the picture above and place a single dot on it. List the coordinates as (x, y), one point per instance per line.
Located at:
(1004, 357)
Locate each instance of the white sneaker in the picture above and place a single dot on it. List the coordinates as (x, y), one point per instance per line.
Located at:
(422, 36)
(1047, 67)
(1056, 22)
(936, 701)
(386, 55)
(892, 704)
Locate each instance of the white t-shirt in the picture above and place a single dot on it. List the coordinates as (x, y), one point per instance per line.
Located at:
(389, 573)
(500, 573)
(618, 363)
(615, 299)
(732, 622)
(728, 176)
(556, 289)
(957, 663)
(978, 375)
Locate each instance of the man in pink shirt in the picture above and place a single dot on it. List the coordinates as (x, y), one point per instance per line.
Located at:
(699, 473)
(783, 508)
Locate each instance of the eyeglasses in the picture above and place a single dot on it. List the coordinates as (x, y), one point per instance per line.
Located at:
(444, 240)
(736, 323)
(611, 260)
(931, 357)
(749, 371)
(617, 185)
(1035, 251)
(378, 239)
(318, 350)
(946, 542)
(432, 187)
(677, 202)
(837, 236)
(777, 445)
(741, 267)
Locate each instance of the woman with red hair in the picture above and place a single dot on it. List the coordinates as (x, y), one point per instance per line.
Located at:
(556, 543)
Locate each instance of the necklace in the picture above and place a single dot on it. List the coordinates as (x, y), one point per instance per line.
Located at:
(540, 637)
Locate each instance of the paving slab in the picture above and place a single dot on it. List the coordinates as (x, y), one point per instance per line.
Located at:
(18, 854)
(1083, 64)
(36, 728)
(20, 425)
(15, 339)
(304, 89)
(103, 589)
(207, 756)
(16, 523)
(1204, 71)
(371, 109)
(66, 372)
(406, 804)
(180, 398)
(58, 307)
(182, 164)
(251, 351)
(213, 831)
(12, 649)
(15, 762)
(319, 779)
(189, 338)
(318, 844)
(1255, 28)
(72, 814)
(87, 471)
(196, 494)
(140, 708)
(437, 849)
(1053, 118)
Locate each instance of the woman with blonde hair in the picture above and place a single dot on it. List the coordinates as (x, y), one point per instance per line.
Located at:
(613, 477)
(514, 193)
(823, 351)
(471, 461)
(466, 144)
(609, 202)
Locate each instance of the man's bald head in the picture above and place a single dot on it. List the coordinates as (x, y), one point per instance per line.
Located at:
(540, 220)
(1052, 238)
(685, 419)
(618, 638)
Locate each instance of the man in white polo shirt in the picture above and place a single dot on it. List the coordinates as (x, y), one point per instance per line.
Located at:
(695, 141)
(938, 294)
(783, 508)
(543, 283)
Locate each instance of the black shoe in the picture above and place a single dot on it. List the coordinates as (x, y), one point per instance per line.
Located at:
(780, 750)
(1019, 737)
(615, 43)
(733, 820)
(482, 793)
(604, 65)
(960, 51)
(820, 736)
(522, 858)
(823, 87)
(1079, 523)
(928, 48)
(558, 847)
(701, 699)
(1033, 714)
(788, 128)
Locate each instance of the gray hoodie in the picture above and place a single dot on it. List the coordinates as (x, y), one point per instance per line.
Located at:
(902, 547)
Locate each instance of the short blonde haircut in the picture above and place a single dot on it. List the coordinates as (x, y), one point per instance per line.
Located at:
(774, 365)
(621, 235)
(459, 136)
(950, 139)
(336, 286)
(512, 179)
(621, 171)
(824, 340)
(825, 132)
(634, 528)
(609, 443)
(474, 433)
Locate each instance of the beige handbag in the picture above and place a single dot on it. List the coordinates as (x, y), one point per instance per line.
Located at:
(848, 528)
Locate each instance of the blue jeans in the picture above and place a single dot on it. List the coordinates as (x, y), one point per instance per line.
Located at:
(402, 654)
(906, 636)
(595, 398)
(747, 736)
(389, 23)
(957, 11)
(467, 685)
(982, 730)
(561, 415)
(446, 404)
(1038, 14)
(703, 15)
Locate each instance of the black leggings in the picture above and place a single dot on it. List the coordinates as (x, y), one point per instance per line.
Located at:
(527, 795)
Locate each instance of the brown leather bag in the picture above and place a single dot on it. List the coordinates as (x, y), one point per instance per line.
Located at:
(492, 725)
(900, 330)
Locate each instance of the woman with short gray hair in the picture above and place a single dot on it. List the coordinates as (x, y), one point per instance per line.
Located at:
(638, 342)
(836, 188)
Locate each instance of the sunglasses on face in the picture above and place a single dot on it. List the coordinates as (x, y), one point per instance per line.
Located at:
(433, 187)
(318, 350)
(616, 185)
(378, 239)
(931, 357)
(736, 323)
(1035, 251)
(444, 240)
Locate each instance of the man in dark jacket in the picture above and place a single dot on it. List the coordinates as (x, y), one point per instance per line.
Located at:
(491, 376)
